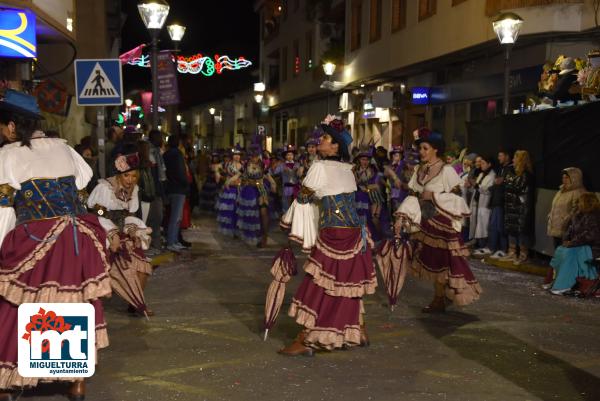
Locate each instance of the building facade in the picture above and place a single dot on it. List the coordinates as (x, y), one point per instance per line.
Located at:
(65, 30)
(296, 37)
(438, 63)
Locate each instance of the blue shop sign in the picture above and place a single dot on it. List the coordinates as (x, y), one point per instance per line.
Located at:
(420, 95)
(17, 33)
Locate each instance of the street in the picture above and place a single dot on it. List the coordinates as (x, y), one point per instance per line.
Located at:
(205, 342)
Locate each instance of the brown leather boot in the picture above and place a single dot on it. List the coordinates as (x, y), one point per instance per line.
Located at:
(77, 391)
(297, 348)
(438, 305)
(364, 338)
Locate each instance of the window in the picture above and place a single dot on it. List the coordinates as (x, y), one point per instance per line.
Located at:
(355, 24)
(284, 64)
(375, 21)
(309, 50)
(296, 66)
(398, 14)
(427, 8)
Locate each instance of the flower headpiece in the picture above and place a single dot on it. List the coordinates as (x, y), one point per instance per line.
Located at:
(126, 163)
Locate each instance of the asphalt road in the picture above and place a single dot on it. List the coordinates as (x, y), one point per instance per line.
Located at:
(205, 342)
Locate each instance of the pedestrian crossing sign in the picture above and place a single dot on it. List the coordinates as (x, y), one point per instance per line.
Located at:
(98, 82)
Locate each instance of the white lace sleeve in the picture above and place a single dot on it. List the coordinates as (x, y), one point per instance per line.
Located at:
(450, 178)
(83, 172)
(315, 177)
(134, 203)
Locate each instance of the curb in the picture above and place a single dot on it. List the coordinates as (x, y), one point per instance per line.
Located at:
(163, 258)
(528, 268)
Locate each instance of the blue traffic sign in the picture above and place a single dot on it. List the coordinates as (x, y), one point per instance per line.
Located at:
(98, 82)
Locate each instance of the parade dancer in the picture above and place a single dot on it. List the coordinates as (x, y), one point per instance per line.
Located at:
(435, 211)
(253, 202)
(115, 201)
(397, 181)
(311, 154)
(370, 201)
(339, 270)
(52, 249)
(210, 187)
(288, 170)
(226, 205)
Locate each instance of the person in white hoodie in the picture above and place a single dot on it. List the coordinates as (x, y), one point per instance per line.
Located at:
(480, 206)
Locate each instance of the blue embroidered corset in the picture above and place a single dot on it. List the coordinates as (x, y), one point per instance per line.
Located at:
(45, 198)
(339, 211)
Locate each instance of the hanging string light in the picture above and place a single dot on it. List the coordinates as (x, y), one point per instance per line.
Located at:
(199, 64)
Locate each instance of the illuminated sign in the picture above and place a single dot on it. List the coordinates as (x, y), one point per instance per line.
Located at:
(17, 33)
(420, 95)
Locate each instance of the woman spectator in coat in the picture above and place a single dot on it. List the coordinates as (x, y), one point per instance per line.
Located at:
(581, 244)
(518, 207)
(564, 206)
(480, 206)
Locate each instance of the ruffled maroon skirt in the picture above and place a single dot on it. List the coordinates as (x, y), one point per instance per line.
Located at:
(328, 303)
(440, 256)
(50, 271)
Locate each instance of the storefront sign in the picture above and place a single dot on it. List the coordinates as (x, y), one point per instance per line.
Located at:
(420, 95)
(368, 109)
(17, 33)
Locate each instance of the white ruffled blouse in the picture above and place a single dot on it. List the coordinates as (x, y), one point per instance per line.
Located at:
(47, 158)
(325, 178)
(441, 186)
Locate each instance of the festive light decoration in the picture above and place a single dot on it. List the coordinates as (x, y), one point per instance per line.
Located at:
(199, 64)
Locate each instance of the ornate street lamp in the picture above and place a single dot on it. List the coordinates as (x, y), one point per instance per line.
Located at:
(507, 26)
(176, 33)
(154, 13)
(329, 69)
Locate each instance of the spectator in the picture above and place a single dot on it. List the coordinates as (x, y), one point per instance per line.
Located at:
(498, 240)
(564, 206)
(467, 189)
(92, 161)
(158, 170)
(564, 203)
(452, 160)
(518, 208)
(480, 206)
(147, 189)
(581, 244)
(114, 135)
(176, 190)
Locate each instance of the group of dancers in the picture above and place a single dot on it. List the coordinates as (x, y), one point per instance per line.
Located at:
(61, 244)
(340, 207)
(253, 189)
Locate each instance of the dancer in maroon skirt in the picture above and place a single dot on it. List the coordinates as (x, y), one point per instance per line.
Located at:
(435, 211)
(52, 249)
(339, 270)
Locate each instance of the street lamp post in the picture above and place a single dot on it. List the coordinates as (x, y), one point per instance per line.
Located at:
(176, 33)
(328, 69)
(507, 27)
(154, 13)
(212, 111)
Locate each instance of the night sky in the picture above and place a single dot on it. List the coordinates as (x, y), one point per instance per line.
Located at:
(225, 27)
